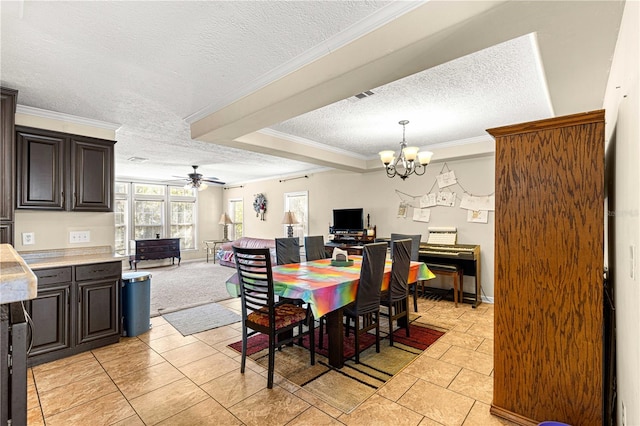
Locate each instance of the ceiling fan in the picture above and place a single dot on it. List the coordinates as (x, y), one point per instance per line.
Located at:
(196, 180)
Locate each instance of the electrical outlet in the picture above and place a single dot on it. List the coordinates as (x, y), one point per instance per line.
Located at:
(28, 238)
(79, 237)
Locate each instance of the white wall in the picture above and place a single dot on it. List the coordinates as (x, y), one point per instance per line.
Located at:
(622, 104)
(377, 195)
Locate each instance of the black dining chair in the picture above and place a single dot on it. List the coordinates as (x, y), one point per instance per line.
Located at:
(287, 251)
(260, 311)
(314, 247)
(366, 306)
(415, 257)
(395, 298)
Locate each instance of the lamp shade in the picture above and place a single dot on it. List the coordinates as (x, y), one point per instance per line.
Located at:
(289, 218)
(225, 219)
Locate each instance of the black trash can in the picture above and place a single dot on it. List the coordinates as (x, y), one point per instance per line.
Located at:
(136, 303)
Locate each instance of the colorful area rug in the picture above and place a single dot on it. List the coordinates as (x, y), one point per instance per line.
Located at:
(356, 382)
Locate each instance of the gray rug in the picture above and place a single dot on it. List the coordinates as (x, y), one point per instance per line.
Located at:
(191, 284)
(201, 318)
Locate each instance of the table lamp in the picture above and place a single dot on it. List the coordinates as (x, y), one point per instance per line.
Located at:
(224, 221)
(289, 219)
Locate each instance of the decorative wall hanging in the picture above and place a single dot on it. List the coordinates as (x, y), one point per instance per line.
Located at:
(260, 205)
(477, 206)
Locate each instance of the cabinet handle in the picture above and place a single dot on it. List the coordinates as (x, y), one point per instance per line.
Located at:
(66, 294)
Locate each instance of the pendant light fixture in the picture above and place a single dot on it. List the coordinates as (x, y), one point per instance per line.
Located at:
(409, 161)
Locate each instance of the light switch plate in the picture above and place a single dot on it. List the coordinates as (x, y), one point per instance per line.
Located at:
(28, 238)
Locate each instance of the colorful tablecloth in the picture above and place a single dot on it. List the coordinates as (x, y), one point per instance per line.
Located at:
(327, 288)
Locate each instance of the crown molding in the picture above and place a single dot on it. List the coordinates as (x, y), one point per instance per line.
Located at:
(308, 142)
(53, 115)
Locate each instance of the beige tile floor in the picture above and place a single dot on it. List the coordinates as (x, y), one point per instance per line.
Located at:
(161, 377)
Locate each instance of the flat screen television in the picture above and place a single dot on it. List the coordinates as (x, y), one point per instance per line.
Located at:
(348, 219)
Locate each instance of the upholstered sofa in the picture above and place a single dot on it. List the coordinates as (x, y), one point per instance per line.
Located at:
(225, 252)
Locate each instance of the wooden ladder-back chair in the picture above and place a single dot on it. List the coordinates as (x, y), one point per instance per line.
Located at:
(261, 313)
(367, 303)
(396, 297)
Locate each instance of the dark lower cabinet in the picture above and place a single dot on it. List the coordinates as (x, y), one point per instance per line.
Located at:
(77, 309)
(51, 318)
(97, 310)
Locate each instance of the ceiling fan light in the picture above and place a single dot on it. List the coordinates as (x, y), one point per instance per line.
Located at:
(202, 186)
(386, 157)
(425, 157)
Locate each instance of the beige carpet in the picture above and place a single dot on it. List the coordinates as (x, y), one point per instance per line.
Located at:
(191, 284)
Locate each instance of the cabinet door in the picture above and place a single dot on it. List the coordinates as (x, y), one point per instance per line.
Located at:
(98, 309)
(7, 153)
(92, 181)
(51, 322)
(40, 169)
(6, 233)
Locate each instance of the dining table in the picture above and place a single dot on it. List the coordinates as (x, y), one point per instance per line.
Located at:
(327, 289)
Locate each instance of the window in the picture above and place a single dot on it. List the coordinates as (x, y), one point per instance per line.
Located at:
(236, 213)
(146, 211)
(298, 203)
(121, 210)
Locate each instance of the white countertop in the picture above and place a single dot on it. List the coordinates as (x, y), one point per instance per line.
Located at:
(17, 280)
(56, 258)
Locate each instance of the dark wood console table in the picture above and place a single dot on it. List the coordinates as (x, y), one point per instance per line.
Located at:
(351, 242)
(159, 248)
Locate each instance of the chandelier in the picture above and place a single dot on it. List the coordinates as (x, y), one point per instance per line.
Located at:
(410, 161)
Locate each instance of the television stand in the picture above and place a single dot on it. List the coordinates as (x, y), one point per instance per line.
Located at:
(351, 240)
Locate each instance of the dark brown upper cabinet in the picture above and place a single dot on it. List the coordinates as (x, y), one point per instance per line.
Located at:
(60, 171)
(8, 98)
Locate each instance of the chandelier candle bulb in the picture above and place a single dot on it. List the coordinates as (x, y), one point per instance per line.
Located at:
(425, 157)
(410, 153)
(386, 157)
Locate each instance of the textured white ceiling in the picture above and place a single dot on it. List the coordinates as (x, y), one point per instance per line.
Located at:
(153, 67)
(454, 101)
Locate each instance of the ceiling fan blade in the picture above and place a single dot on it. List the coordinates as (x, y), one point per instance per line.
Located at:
(210, 180)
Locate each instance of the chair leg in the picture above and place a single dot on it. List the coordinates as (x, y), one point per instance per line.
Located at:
(415, 297)
(356, 333)
(321, 332)
(377, 331)
(272, 361)
(243, 359)
(390, 324)
(455, 290)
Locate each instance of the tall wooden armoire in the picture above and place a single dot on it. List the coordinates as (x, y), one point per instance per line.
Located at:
(549, 254)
